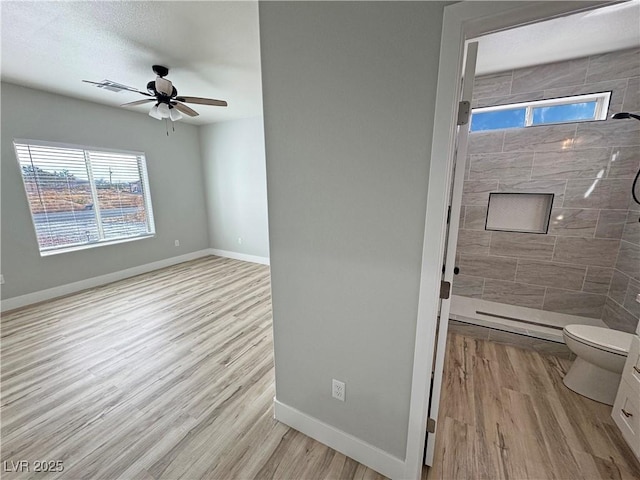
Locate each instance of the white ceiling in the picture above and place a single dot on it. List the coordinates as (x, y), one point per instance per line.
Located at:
(212, 48)
(610, 28)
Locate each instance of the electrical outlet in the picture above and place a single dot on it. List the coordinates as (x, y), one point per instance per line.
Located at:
(338, 389)
(177, 243)
(1, 279)
(239, 240)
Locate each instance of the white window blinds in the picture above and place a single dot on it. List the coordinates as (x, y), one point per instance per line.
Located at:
(84, 197)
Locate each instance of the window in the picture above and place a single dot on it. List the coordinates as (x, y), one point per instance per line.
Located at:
(580, 108)
(82, 197)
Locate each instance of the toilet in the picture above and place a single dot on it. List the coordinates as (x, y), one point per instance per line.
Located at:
(600, 357)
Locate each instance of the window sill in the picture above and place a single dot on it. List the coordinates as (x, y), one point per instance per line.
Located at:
(87, 246)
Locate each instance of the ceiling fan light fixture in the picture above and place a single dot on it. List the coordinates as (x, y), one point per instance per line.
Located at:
(163, 110)
(155, 113)
(174, 114)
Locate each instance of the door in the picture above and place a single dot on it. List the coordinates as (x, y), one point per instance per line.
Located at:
(455, 203)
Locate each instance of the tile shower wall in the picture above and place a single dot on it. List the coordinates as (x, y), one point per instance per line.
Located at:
(589, 262)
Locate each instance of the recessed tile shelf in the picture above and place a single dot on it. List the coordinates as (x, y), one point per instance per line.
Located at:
(519, 212)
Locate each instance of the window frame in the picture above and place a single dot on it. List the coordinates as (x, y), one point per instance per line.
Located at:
(602, 99)
(86, 149)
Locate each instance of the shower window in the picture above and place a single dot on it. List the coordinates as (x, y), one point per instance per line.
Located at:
(579, 108)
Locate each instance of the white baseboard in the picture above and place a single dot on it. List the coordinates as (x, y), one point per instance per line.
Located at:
(239, 256)
(62, 290)
(374, 458)
(535, 322)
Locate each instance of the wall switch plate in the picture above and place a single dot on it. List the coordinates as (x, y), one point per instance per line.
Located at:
(177, 243)
(338, 389)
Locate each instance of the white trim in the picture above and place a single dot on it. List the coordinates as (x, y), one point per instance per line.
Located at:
(468, 309)
(461, 21)
(69, 288)
(240, 256)
(352, 447)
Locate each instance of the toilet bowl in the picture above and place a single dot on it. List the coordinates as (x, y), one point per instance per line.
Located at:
(600, 356)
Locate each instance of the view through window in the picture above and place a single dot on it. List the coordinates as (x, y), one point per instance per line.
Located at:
(579, 108)
(82, 196)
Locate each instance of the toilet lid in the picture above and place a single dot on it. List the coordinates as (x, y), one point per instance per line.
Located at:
(599, 337)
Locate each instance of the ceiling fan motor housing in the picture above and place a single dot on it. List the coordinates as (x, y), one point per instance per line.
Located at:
(160, 70)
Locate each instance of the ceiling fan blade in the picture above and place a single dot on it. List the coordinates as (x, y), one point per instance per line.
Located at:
(138, 102)
(164, 86)
(202, 101)
(115, 87)
(181, 107)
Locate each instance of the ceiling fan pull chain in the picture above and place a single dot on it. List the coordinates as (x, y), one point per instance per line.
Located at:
(166, 126)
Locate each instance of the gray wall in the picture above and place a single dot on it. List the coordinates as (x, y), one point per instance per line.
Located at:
(235, 183)
(174, 167)
(349, 94)
(591, 239)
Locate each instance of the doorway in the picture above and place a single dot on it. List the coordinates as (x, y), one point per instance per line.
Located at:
(461, 22)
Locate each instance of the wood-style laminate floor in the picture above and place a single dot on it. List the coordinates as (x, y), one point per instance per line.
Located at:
(505, 414)
(169, 375)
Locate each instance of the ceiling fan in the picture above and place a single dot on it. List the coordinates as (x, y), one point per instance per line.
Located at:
(167, 102)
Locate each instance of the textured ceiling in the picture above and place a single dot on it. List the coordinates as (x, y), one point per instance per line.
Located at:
(614, 27)
(212, 47)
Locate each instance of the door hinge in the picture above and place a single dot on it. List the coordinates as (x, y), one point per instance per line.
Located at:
(445, 290)
(464, 112)
(448, 214)
(431, 425)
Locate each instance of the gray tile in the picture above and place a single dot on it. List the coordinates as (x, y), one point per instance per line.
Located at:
(599, 252)
(501, 166)
(630, 304)
(631, 232)
(618, 318)
(476, 192)
(619, 64)
(629, 260)
(625, 162)
(549, 274)
(522, 245)
(467, 286)
(570, 163)
(541, 138)
(616, 87)
(611, 223)
(513, 293)
(557, 187)
(493, 85)
(604, 193)
(619, 285)
(508, 99)
(574, 303)
(475, 217)
(550, 75)
(488, 266)
(598, 280)
(473, 242)
(573, 222)
(485, 142)
(606, 132)
(632, 96)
